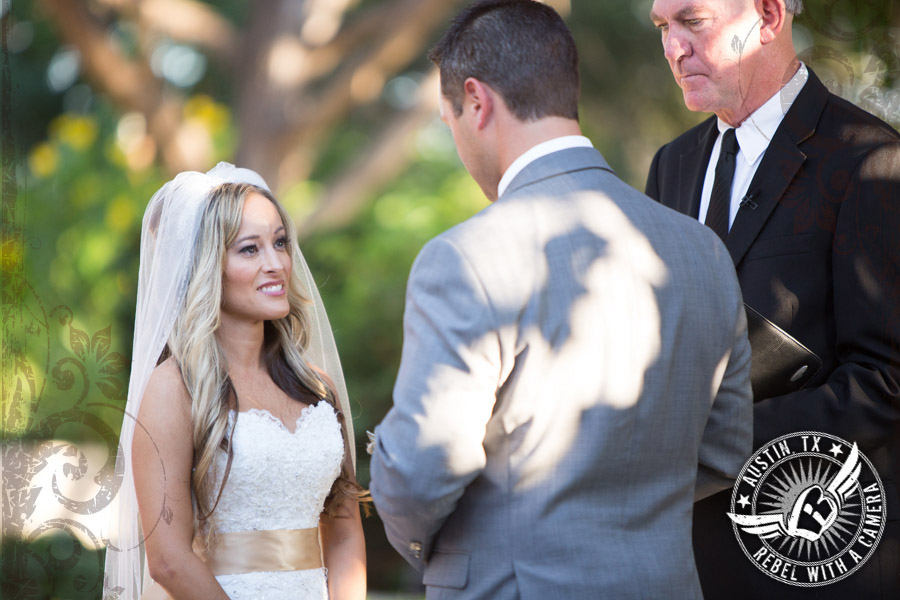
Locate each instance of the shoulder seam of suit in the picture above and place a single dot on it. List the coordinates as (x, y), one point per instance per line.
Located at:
(559, 174)
(863, 157)
(871, 119)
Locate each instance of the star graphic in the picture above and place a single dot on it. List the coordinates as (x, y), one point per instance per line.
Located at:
(836, 450)
(744, 501)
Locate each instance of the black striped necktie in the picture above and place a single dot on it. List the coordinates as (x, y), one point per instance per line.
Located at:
(720, 200)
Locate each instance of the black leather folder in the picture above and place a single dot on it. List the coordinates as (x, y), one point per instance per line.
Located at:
(781, 364)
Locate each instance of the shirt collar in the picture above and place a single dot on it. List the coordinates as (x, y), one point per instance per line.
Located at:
(535, 152)
(756, 132)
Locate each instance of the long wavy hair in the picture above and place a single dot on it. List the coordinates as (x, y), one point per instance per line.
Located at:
(204, 368)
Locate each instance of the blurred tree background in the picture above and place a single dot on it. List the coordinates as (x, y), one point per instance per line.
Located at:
(335, 104)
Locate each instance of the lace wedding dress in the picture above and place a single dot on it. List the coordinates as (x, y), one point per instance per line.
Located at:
(279, 479)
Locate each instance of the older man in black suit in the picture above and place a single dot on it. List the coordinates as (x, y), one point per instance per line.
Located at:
(804, 188)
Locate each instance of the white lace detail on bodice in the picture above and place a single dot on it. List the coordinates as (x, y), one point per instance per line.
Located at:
(279, 480)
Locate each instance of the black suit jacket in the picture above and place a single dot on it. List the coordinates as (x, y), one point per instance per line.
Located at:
(817, 251)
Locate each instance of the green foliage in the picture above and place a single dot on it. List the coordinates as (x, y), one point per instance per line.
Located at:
(81, 226)
(630, 104)
(86, 172)
(28, 71)
(84, 214)
(362, 269)
(855, 49)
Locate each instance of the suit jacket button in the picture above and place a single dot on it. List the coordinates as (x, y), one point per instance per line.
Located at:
(415, 550)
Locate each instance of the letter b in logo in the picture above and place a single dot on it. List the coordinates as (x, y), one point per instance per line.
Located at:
(813, 513)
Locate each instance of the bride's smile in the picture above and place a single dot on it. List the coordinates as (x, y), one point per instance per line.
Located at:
(257, 265)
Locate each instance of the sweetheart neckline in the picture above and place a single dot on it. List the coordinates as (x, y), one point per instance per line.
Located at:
(269, 416)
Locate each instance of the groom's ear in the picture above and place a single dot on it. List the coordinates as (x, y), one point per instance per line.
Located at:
(479, 100)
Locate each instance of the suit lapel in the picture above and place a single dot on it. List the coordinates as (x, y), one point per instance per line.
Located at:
(780, 163)
(692, 171)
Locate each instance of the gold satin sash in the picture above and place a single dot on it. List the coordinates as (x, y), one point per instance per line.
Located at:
(254, 551)
(274, 550)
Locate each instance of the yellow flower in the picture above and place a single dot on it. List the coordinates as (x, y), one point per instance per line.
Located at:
(11, 253)
(43, 160)
(213, 115)
(120, 213)
(76, 131)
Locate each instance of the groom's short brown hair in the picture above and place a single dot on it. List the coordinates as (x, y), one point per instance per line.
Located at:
(520, 48)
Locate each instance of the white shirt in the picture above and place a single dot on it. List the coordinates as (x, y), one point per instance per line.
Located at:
(535, 152)
(753, 137)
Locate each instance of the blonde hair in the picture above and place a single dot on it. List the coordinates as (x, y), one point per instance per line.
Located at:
(204, 368)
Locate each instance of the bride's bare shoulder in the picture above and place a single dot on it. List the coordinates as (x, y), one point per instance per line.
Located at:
(166, 386)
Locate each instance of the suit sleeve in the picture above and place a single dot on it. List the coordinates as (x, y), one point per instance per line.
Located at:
(727, 440)
(430, 445)
(860, 400)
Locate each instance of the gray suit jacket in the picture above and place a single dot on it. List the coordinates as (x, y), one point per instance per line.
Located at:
(572, 354)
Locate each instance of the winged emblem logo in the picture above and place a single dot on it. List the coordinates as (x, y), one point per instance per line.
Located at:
(814, 510)
(808, 509)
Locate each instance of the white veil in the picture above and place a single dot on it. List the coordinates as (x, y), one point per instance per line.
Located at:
(168, 237)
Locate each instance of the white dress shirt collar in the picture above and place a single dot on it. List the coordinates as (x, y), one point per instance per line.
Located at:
(535, 152)
(754, 134)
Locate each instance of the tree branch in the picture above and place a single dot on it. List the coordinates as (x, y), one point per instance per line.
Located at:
(186, 21)
(377, 164)
(354, 35)
(131, 85)
(282, 122)
(359, 82)
(192, 23)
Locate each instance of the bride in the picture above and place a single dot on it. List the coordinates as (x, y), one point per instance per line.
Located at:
(241, 458)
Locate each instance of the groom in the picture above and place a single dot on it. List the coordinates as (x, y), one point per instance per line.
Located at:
(575, 366)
